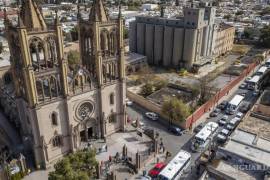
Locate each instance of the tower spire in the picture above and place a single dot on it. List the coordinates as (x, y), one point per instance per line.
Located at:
(32, 16)
(98, 12)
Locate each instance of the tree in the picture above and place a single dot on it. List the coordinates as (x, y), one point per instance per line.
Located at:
(78, 166)
(147, 89)
(205, 89)
(265, 36)
(175, 110)
(73, 58)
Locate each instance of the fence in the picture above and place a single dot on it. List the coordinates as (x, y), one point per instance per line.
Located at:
(202, 109)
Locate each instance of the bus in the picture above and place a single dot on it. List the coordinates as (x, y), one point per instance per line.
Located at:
(253, 83)
(262, 71)
(234, 103)
(202, 138)
(176, 167)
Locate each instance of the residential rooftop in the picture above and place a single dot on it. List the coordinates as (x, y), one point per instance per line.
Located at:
(249, 146)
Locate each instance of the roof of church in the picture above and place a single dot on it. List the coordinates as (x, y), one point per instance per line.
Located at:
(98, 12)
(31, 15)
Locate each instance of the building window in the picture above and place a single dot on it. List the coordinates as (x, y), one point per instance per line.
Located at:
(57, 141)
(111, 98)
(193, 24)
(54, 119)
(189, 12)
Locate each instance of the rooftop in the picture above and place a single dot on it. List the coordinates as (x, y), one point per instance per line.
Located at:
(249, 146)
(225, 169)
(256, 126)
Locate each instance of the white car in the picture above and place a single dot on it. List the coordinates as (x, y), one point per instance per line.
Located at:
(239, 115)
(151, 115)
(129, 103)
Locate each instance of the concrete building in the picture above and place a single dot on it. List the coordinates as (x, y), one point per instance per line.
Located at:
(175, 42)
(61, 108)
(223, 39)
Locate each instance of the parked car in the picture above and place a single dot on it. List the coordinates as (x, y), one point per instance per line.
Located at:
(239, 115)
(245, 107)
(223, 105)
(153, 173)
(151, 115)
(222, 121)
(256, 93)
(223, 135)
(247, 79)
(145, 177)
(233, 123)
(243, 86)
(175, 130)
(128, 102)
(198, 128)
(215, 112)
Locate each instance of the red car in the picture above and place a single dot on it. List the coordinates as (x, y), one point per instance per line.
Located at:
(156, 170)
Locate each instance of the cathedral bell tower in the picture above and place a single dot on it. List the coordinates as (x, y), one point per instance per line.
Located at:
(38, 65)
(102, 53)
(39, 76)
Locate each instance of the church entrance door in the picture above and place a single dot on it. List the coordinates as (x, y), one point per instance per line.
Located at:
(82, 136)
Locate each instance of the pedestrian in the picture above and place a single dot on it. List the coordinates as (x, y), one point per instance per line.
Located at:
(157, 159)
(110, 158)
(106, 148)
(163, 150)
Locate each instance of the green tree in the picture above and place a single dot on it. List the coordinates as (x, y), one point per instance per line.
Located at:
(248, 32)
(73, 58)
(265, 36)
(175, 110)
(147, 89)
(78, 166)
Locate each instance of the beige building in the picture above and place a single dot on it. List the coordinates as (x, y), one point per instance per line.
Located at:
(223, 39)
(60, 108)
(175, 42)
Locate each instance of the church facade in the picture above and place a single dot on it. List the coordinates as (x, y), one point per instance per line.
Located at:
(59, 107)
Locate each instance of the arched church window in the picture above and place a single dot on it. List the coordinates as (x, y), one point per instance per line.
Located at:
(57, 141)
(54, 119)
(37, 53)
(112, 99)
(52, 52)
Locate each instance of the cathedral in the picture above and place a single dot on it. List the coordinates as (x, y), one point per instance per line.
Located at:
(59, 107)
